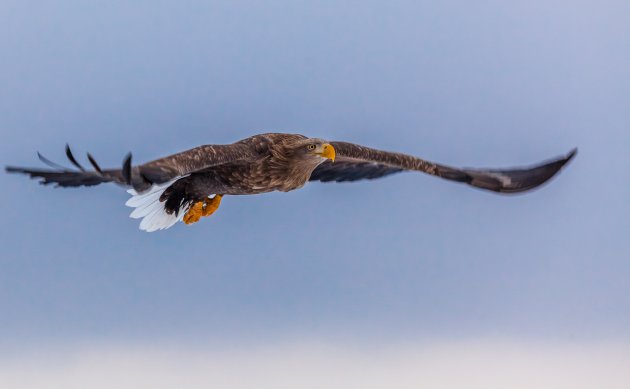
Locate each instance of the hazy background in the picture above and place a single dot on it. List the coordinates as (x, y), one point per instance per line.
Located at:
(404, 271)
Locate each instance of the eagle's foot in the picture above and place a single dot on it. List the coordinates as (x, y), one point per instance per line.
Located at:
(194, 213)
(211, 205)
(202, 208)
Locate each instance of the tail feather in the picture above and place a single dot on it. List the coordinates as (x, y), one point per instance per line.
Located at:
(151, 209)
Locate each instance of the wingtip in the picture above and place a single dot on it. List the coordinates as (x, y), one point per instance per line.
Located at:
(570, 155)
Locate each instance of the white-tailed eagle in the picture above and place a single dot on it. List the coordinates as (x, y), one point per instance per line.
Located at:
(189, 185)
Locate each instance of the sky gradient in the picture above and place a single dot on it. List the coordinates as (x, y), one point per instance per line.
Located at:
(406, 260)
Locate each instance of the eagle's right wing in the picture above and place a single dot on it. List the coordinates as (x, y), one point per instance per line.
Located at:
(140, 177)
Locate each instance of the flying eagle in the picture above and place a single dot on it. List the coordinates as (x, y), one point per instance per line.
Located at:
(189, 185)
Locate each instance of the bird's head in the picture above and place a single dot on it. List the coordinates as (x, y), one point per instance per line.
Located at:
(313, 149)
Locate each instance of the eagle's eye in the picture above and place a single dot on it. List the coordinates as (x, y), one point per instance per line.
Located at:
(311, 147)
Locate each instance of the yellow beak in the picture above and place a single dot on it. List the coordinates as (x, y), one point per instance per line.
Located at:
(328, 151)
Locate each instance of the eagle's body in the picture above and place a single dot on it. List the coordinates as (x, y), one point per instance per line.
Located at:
(269, 166)
(189, 185)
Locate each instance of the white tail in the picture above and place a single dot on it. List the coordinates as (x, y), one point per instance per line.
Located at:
(150, 209)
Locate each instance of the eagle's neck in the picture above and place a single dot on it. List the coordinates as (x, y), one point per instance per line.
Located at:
(289, 171)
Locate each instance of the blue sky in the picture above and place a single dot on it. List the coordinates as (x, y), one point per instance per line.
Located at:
(481, 84)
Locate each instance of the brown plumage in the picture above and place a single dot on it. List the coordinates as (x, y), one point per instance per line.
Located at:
(179, 187)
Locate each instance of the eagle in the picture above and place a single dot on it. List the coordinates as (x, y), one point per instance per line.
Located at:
(191, 184)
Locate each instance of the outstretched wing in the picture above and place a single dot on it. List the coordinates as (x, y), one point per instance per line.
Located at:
(141, 177)
(356, 162)
(186, 162)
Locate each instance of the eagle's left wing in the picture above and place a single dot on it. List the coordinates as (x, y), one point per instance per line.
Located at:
(356, 162)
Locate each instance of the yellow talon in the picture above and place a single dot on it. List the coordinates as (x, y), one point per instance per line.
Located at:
(202, 208)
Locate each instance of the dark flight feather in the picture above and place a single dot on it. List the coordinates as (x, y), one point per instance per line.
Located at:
(347, 171)
(61, 178)
(72, 159)
(126, 170)
(51, 163)
(94, 164)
